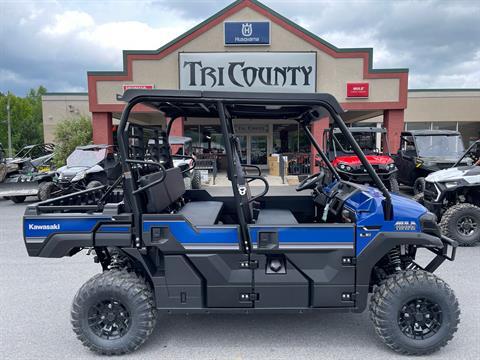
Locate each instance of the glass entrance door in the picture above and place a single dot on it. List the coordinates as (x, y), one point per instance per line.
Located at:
(258, 149)
(253, 149)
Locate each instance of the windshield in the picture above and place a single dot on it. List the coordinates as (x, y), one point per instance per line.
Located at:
(86, 158)
(440, 145)
(366, 140)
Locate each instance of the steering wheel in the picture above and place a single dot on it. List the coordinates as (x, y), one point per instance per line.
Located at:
(311, 181)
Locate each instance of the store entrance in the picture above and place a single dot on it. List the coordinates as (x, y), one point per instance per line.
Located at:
(254, 149)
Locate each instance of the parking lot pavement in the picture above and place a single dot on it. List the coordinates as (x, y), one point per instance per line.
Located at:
(37, 293)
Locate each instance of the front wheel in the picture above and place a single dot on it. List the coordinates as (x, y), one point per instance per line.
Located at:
(461, 222)
(414, 312)
(393, 185)
(419, 185)
(45, 190)
(114, 312)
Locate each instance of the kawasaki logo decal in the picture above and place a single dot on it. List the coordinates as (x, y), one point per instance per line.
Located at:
(44, 227)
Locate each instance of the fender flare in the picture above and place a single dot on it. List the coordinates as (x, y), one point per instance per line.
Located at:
(382, 243)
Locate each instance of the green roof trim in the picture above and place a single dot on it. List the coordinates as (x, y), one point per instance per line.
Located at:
(224, 10)
(443, 90)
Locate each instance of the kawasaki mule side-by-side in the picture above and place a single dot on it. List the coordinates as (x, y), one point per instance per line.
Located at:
(170, 250)
(425, 151)
(349, 166)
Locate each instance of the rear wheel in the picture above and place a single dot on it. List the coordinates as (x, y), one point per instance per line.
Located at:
(114, 312)
(18, 199)
(45, 190)
(419, 185)
(461, 222)
(414, 312)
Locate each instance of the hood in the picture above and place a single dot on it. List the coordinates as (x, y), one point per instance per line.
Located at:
(353, 160)
(70, 171)
(457, 173)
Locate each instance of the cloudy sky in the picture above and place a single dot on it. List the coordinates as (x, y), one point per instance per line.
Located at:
(54, 43)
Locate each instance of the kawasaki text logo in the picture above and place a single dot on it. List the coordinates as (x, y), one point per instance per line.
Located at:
(44, 227)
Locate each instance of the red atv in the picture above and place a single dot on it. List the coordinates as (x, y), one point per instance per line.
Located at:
(374, 143)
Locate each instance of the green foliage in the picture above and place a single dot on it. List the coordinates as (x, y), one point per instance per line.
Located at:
(26, 118)
(69, 134)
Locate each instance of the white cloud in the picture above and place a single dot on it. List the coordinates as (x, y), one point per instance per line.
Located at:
(68, 22)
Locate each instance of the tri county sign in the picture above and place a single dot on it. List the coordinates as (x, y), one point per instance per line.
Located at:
(249, 71)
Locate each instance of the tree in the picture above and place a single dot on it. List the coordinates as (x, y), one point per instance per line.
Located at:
(26, 118)
(69, 134)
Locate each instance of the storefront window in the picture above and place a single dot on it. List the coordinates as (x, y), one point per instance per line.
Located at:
(206, 138)
(289, 138)
(450, 125)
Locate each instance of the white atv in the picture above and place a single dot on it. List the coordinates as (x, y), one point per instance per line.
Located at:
(454, 196)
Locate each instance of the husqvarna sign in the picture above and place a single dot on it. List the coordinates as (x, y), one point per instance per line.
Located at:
(249, 71)
(247, 32)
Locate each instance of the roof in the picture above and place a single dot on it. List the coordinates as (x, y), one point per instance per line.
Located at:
(362, 129)
(431, 132)
(175, 103)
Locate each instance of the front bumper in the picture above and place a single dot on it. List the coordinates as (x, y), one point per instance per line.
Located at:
(360, 176)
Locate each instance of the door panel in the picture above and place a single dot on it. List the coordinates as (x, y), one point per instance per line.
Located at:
(285, 287)
(225, 279)
(314, 271)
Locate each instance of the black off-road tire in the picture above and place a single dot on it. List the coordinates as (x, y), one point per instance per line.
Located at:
(17, 199)
(419, 198)
(388, 304)
(196, 179)
(45, 190)
(419, 185)
(454, 215)
(133, 305)
(393, 185)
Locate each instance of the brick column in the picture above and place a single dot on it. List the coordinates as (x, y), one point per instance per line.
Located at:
(394, 122)
(177, 130)
(317, 129)
(102, 128)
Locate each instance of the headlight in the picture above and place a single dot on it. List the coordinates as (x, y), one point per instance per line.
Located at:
(348, 168)
(79, 176)
(341, 166)
(451, 184)
(391, 166)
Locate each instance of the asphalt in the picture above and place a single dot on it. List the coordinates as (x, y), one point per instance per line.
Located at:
(36, 295)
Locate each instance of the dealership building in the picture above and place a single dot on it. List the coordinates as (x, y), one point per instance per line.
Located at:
(249, 47)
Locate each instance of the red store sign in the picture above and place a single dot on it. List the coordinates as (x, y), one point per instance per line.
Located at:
(357, 90)
(137, 87)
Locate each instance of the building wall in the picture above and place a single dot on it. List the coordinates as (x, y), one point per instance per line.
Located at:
(332, 73)
(57, 107)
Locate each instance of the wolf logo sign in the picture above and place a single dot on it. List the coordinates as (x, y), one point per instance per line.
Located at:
(247, 29)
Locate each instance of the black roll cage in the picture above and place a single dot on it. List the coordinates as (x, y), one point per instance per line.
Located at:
(216, 104)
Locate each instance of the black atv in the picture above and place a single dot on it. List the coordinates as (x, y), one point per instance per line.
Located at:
(87, 167)
(454, 196)
(423, 152)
